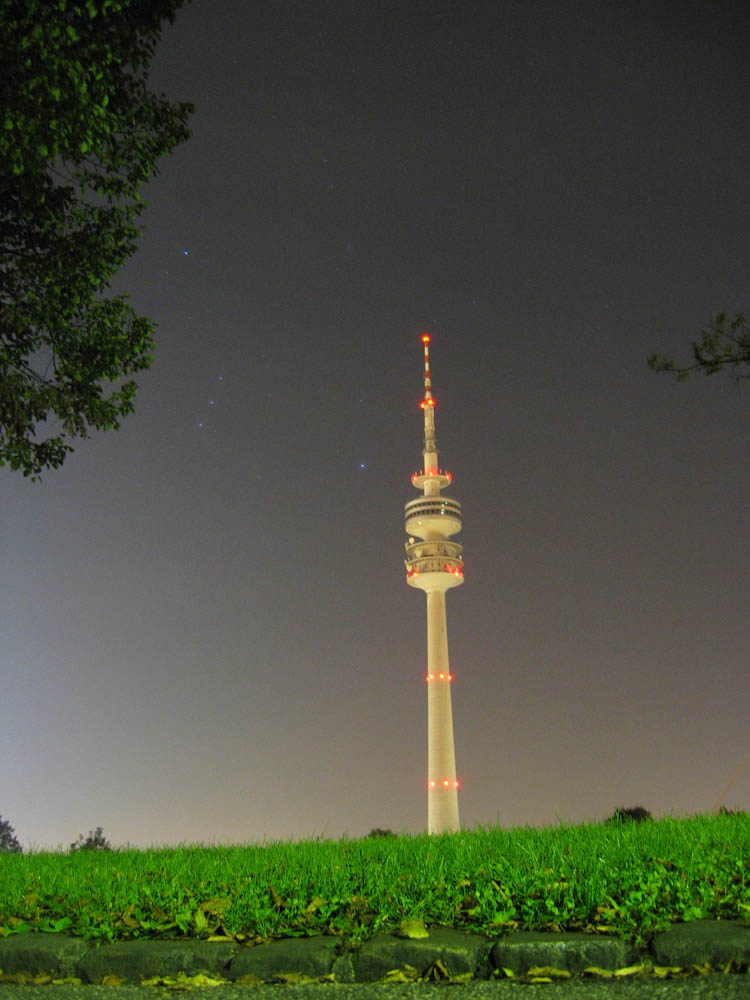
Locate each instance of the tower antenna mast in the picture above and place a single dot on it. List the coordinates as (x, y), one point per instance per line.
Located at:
(435, 564)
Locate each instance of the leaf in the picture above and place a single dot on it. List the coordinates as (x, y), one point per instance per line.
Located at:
(293, 978)
(183, 981)
(128, 919)
(201, 979)
(594, 972)
(278, 902)
(406, 974)
(218, 906)
(14, 926)
(437, 972)
(632, 970)
(414, 929)
(666, 971)
(549, 972)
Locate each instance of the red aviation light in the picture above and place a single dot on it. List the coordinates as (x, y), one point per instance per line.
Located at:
(425, 338)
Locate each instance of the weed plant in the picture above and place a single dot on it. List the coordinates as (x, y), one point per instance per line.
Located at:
(627, 879)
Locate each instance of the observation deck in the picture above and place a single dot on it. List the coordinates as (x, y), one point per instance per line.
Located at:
(429, 517)
(434, 564)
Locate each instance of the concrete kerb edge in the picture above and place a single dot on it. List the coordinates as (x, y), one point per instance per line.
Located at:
(446, 954)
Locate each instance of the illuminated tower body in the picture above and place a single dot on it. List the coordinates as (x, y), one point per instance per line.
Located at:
(434, 564)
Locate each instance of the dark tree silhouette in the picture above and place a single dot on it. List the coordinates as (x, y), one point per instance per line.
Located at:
(8, 841)
(377, 832)
(94, 842)
(636, 814)
(724, 345)
(82, 133)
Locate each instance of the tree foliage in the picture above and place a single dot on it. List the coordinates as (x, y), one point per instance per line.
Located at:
(81, 132)
(95, 841)
(8, 840)
(636, 814)
(725, 345)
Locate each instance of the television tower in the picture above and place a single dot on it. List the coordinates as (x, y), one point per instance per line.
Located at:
(434, 564)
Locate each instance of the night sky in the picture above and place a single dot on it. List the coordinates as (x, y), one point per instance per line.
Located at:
(206, 630)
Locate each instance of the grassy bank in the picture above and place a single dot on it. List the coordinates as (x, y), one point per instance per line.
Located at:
(630, 879)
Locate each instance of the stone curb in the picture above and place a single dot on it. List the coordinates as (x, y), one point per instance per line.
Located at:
(443, 954)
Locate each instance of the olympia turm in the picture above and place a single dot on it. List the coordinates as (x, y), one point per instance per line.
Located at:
(435, 564)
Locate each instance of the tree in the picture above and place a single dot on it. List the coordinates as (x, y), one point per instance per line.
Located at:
(8, 840)
(80, 134)
(636, 814)
(724, 345)
(95, 841)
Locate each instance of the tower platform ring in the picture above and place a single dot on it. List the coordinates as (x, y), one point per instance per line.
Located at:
(434, 581)
(419, 479)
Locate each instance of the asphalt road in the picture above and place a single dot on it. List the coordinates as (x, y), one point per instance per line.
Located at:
(731, 987)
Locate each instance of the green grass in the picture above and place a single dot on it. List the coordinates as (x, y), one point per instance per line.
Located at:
(630, 879)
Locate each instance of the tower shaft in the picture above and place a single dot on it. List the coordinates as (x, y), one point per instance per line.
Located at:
(442, 799)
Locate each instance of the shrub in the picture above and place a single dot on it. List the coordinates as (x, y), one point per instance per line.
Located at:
(377, 832)
(94, 842)
(636, 814)
(8, 841)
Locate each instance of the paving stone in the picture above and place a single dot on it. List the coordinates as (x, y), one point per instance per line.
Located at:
(343, 969)
(575, 952)
(144, 958)
(313, 956)
(36, 953)
(459, 952)
(700, 941)
(714, 942)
